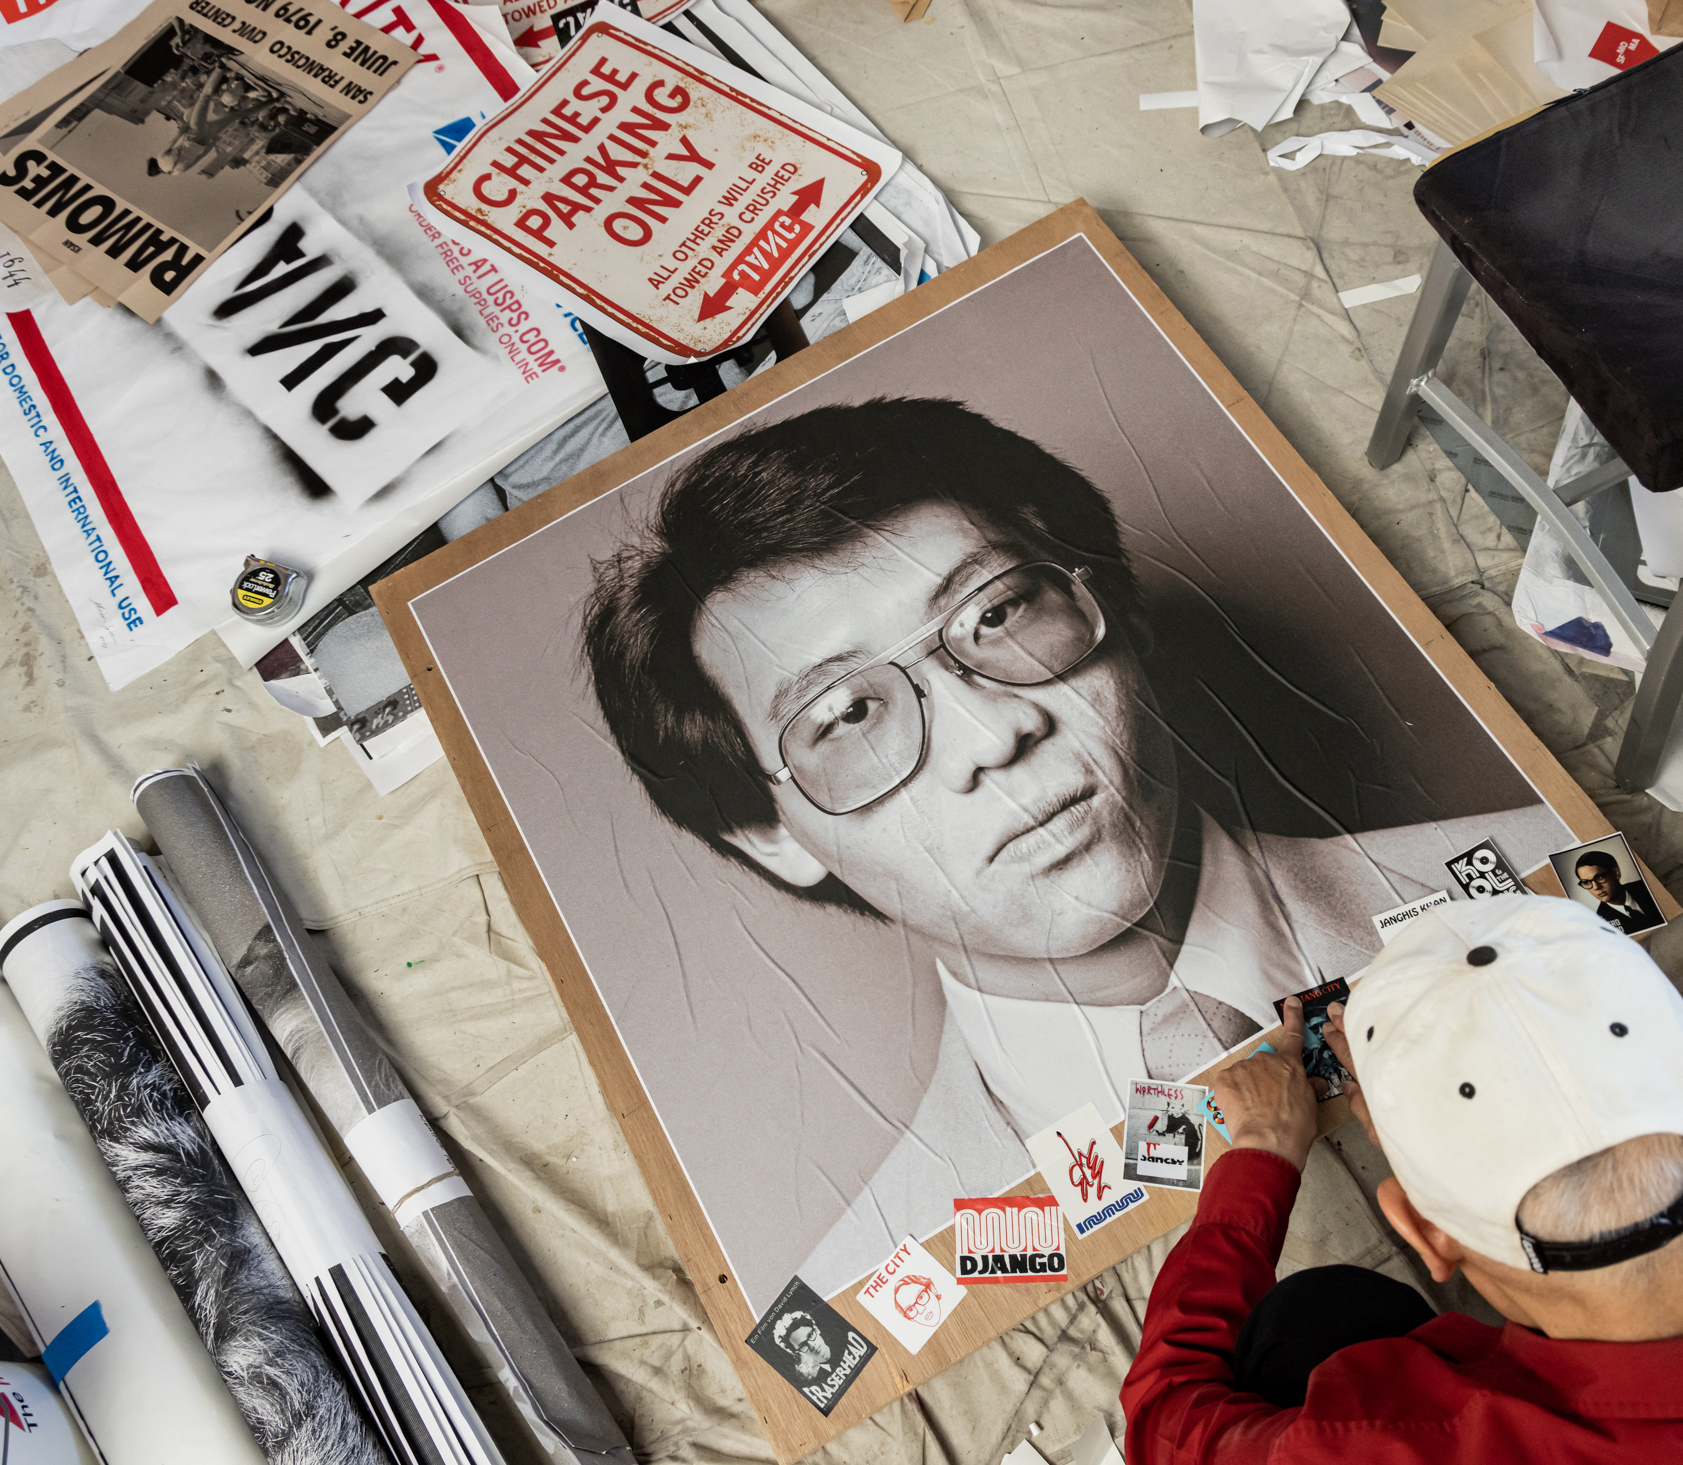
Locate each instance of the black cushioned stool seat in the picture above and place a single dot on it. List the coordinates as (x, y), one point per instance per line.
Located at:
(1572, 220)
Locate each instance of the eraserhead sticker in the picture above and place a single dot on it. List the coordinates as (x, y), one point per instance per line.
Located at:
(811, 1345)
(1388, 923)
(1009, 1238)
(911, 1294)
(1163, 1138)
(1080, 1161)
(676, 197)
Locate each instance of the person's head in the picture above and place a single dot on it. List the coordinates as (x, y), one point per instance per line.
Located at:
(798, 1335)
(917, 1300)
(1598, 873)
(1519, 1063)
(735, 649)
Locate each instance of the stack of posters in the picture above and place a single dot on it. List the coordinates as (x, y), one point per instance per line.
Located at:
(329, 387)
(138, 163)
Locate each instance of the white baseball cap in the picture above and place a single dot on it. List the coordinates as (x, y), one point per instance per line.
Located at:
(1498, 1040)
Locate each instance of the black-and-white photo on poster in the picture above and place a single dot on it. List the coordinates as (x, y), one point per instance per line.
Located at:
(1604, 875)
(811, 1345)
(195, 132)
(962, 735)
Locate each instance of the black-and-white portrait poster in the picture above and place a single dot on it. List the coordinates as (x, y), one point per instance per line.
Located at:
(978, 727)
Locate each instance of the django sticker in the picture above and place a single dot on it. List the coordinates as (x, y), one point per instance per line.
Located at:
(1009, 1238)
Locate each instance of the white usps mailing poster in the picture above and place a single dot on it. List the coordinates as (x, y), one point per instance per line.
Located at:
(1388, 923)
(911, 1294)
(1082, 1163)
(331, 351)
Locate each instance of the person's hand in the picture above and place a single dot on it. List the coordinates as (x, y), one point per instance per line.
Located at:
(1334, 1036)
(1268, 1100)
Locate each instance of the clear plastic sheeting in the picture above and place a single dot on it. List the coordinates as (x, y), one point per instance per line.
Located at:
(1553, 599)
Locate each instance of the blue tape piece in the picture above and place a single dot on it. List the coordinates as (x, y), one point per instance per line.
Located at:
(73, 1341)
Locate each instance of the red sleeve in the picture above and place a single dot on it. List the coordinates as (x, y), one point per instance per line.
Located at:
(1178, 1398)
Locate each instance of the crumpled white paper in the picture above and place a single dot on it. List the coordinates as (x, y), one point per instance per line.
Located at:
(1256, 58)
(1299, 152)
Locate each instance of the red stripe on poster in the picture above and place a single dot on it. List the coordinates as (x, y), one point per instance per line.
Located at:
(478, 52)
(117, 513)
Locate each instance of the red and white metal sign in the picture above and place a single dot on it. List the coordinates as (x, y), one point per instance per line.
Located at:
(676, 197)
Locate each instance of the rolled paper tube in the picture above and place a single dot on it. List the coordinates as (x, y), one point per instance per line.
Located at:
(146, 1392)
(276, 963)
(199, 1223)
(277, 1156)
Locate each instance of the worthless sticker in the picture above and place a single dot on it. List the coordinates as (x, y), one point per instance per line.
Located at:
(1481, 872)
(811, 1345)
(1163, 1139)
(1319, 1061)
(911, 1295)
(1388, 923)
(1082, 1165)
(1009, 1238)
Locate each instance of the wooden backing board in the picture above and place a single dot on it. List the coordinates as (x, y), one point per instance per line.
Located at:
(794, 1427)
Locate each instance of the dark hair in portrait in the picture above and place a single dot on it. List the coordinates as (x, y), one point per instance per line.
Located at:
(797, 491)
(1256, 746)
(1599, 860)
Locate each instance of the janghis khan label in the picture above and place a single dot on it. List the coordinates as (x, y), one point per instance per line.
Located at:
(1015, 1238)
(811, 1345)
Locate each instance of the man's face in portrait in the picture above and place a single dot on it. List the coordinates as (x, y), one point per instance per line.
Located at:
(1039, 819)
(808, 1345)
(1600, 882)
(918, 1301)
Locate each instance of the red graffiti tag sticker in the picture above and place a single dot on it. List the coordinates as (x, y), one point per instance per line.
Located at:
(678, 198)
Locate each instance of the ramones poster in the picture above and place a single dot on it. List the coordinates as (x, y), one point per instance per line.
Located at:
(966, 733)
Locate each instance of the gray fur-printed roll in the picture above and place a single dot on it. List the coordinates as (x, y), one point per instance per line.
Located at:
(213, 1249)
(300, 999)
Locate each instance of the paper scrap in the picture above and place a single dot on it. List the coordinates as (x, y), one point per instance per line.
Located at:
(1299, 152)
(1096, 1446)
(1388, 923)
(1384, 290)
(1167, 101)
(911, 1294)
(857, 307)
(1024, 1454)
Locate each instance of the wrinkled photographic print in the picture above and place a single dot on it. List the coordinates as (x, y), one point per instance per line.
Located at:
(961, 736)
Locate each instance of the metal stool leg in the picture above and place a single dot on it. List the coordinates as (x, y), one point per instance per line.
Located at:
(1621, 604)
(1654, 711)
(1439, 306)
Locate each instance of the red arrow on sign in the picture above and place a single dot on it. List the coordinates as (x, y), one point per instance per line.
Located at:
(762, 257)
(532, 39)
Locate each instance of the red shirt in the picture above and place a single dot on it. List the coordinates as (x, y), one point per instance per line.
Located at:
(1452, 1390)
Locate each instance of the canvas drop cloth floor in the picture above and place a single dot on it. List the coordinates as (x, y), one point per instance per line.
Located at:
(1014, 106)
